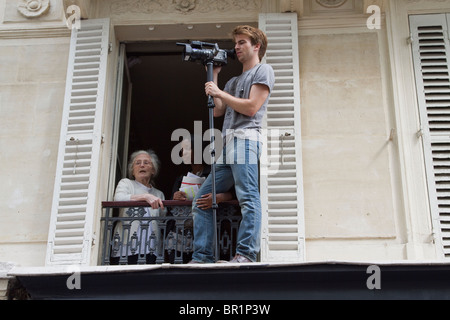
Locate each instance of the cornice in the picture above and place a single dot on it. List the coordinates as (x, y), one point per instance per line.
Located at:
(35, 32)
(182, 7)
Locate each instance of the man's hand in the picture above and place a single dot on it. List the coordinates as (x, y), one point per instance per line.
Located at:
(205, 202)
(211, 89)
(180, 195)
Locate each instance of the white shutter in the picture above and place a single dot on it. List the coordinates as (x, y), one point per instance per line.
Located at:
(74, 201)
(431, 53)
(283, 236)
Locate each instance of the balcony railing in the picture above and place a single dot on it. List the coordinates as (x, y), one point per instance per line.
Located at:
(161, 239)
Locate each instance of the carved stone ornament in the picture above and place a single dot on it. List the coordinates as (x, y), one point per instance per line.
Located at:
(119, 7)
(185, 5)
(331, 3)
(33, 8)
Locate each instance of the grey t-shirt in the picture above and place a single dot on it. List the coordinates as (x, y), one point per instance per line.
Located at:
(236, 124)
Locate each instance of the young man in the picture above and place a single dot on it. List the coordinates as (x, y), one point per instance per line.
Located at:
(243, 102)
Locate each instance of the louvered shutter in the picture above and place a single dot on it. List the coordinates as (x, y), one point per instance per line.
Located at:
(74, 201)
(431, 53)
(281, 185)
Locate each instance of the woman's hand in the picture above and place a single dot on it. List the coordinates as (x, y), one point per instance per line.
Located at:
(152, 200)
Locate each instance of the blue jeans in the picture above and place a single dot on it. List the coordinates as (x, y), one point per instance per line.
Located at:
(237, 166)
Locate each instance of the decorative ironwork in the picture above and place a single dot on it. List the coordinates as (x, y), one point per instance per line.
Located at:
(181, 211)
(136, 212)
(161, 239)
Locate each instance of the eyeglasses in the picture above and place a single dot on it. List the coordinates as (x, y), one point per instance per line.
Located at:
(145, 163)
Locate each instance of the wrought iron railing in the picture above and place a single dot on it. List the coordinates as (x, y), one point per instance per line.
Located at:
(133, 238)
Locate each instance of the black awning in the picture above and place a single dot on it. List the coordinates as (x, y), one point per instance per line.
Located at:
(258, 281)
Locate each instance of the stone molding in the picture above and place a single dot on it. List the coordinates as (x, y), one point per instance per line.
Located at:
(184, 7)
(25, 33)
(331, 3)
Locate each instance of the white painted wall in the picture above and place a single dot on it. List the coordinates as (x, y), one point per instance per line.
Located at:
(365, 195)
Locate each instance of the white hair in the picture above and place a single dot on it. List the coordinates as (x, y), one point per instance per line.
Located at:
(155, 162)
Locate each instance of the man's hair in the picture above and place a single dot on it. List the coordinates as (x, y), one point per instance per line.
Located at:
(256, 36)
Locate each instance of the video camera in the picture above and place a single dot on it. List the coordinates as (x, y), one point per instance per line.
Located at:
(204, 52)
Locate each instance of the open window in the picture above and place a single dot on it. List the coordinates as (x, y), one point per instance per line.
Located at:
(168, 94)
(157, 93)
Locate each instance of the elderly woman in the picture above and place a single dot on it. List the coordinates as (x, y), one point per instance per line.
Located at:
(143, 167)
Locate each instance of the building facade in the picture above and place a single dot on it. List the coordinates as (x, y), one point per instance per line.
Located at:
(356, 135)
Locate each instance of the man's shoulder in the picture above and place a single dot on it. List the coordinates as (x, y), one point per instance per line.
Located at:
(264, 75)
(262, 71)
(267, 67)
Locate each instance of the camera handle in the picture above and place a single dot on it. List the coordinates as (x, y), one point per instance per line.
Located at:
(211, 106)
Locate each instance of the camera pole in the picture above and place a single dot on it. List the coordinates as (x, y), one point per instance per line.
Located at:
(211, 106)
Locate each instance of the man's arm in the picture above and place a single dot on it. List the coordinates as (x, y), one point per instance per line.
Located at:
(248, 107)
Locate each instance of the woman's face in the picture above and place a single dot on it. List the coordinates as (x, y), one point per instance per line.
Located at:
(143, 168)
